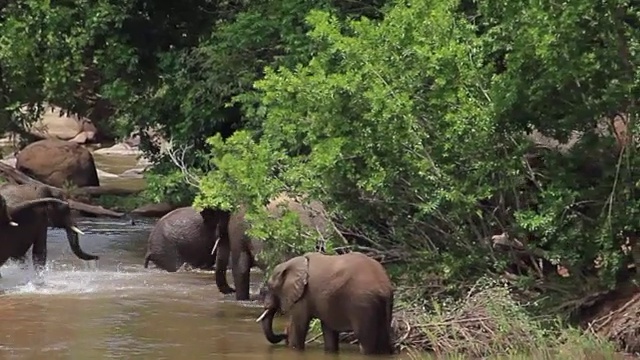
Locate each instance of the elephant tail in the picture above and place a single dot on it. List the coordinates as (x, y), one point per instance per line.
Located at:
(146, 260)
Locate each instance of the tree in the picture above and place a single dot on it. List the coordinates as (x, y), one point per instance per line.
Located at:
(414, 130)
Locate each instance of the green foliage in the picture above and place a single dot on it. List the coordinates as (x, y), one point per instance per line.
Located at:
(170, 188)
(121, 203)
(412, 129)
(362, 131)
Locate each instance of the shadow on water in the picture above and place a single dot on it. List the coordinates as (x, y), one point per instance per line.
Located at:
(116, 309)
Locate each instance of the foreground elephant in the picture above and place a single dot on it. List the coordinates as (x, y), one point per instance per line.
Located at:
(243, 249)
(186, 235)
(346, 292)
(33, 209)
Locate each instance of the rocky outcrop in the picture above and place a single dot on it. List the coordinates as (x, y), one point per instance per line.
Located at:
(54, 124)
(122, 149)
(55, 162)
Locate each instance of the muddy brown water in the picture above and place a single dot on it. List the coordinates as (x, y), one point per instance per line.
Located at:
(116, 309)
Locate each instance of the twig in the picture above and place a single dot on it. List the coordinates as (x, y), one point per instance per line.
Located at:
(177, 157)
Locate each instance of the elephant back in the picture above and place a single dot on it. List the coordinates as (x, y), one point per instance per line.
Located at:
(179, 221)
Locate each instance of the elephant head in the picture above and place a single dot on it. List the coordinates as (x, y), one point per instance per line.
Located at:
(5, 217)
(58, 214)
(285, 287)
(217, 224)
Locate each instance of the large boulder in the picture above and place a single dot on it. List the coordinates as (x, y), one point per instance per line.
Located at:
(54, 124)
(55, 162)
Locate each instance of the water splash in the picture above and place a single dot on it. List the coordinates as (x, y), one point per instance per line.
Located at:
(59, 279)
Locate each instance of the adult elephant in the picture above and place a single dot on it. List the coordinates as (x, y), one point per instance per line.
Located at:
(244, 249)
(186, 235)
(33, 208)
(346, 292)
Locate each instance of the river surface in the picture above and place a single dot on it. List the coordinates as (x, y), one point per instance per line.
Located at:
(116, 309)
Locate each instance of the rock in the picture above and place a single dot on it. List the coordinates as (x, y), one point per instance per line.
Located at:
(154, 210)
(133, 141)
(54, 126)
(121, 149)
(55, 162)
(154, 134)
(144, 162)
(105, 175)
(133, 173)
(11, 161)
(81, 138)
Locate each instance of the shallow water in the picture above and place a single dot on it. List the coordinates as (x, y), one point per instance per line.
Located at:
(117, 164)
(119, 310)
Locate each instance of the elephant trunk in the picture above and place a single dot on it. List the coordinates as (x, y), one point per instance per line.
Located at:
(222, 262)
(74, 243)
(266, 320)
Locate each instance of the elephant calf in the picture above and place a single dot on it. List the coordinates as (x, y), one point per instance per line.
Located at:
(346, 292)
(186, 236)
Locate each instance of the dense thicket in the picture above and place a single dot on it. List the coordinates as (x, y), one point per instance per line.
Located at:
(425, 127)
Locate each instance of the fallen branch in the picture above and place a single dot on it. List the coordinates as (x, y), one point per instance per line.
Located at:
(96, 191)
(15, 176)
(95, 210)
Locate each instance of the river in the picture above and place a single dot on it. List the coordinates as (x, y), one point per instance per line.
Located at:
(116, 309)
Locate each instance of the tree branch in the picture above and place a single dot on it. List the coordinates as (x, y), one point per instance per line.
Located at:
(177, 157)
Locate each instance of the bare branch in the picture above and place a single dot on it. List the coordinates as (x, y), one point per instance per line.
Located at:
(177, 157)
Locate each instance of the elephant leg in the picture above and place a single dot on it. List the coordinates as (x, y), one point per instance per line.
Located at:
(170, 260)
(39, 252)
(297, 332)
(367, 334)
(241, 275)
(330, 337)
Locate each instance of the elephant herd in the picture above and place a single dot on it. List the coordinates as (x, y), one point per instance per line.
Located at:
(349, 292)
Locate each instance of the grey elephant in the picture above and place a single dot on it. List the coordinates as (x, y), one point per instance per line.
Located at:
(31, 210)
(5, 217)
(349, 292)
(244, 249)
(186, 236)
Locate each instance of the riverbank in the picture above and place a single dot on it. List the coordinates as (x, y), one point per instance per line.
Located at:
(490, 323)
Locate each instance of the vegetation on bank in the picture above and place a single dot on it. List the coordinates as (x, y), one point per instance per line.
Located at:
(424, 128)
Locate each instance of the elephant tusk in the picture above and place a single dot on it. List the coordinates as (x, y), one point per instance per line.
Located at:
(215, 246)
(261, 317)
(13, 223)
(75, 229)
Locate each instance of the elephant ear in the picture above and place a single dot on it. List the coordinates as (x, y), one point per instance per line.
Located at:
(293, 277)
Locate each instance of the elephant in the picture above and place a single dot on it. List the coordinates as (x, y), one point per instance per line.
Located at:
(346, 292)
(243, 249)
(5, 216)
(32, 209)
(186, 235)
